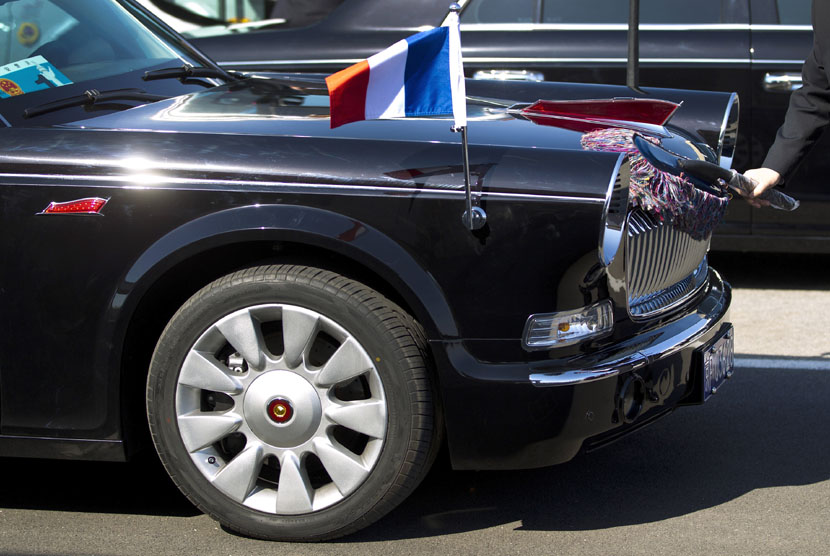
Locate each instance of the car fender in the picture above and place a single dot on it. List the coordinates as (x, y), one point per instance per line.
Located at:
(313, 226)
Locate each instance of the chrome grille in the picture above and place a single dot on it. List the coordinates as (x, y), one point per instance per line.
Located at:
(664, 266)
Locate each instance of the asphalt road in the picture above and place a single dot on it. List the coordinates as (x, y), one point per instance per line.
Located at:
(747, 473)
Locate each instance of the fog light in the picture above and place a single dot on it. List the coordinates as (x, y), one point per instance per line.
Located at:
(568, 327)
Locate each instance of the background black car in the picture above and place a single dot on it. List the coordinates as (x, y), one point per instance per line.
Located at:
(753, 47)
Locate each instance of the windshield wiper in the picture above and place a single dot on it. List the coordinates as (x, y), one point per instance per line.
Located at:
(185, 71)
(91, 97)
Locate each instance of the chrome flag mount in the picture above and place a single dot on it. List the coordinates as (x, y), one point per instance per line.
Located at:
(422, 75)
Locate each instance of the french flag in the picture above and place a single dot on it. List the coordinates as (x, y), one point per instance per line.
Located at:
(421, 75)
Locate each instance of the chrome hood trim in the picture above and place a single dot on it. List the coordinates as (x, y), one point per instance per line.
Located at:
(728, 139)
(615, 211)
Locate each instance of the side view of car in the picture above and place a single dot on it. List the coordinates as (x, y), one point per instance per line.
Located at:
(298, 318)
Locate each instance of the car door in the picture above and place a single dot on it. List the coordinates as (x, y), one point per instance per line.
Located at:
(781, 39)
(691, 45)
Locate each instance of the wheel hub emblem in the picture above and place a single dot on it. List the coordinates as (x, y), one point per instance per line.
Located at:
(280, 410)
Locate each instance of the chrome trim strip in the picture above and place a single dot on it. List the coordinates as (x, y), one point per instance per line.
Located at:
(798, 63)
(613, 60)
(506, 60)
(293, 185)
(624, 27)
(482, 59)
(603, 27)
(574, 378)
(773, 27)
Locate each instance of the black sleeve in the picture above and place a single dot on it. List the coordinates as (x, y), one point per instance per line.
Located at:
(807, 116)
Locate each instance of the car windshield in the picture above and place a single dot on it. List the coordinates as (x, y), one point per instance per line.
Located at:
(51, 49)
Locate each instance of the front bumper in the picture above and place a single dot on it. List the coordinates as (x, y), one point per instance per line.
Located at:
(516, 416)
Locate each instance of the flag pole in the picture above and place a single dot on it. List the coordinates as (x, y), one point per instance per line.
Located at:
(474, 216)
(468, 214)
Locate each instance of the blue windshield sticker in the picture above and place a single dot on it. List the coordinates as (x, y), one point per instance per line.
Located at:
(31, 74)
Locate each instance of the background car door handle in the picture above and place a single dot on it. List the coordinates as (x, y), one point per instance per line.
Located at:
(509, 75)
(782, 82)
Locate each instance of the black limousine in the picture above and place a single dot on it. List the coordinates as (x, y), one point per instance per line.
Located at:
(298, 318)
(753, 47)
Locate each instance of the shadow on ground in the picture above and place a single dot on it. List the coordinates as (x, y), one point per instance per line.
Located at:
(766, 429)
(140, 487)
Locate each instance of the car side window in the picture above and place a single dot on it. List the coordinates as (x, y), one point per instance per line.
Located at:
(219, 10)
(241, 15)
(794, 12)
(499, 11)
(651, 11)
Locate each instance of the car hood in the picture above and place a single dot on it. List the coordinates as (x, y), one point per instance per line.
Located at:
(298, 106)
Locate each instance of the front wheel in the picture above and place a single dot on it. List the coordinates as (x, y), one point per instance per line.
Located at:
(291, 403)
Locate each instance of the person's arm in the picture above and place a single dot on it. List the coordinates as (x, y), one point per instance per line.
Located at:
(807, 115)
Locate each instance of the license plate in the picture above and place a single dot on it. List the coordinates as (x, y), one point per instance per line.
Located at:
(718, 360)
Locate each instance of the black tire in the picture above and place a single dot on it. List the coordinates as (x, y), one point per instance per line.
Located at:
(211, 404)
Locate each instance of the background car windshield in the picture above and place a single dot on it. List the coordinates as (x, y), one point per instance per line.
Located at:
(204, 18)
(54, 43)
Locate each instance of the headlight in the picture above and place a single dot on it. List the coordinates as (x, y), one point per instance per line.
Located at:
(568, 327)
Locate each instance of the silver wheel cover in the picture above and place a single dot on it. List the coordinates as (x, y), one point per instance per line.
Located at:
(293, 409)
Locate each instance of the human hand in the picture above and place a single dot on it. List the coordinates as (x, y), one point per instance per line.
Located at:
(763, 179)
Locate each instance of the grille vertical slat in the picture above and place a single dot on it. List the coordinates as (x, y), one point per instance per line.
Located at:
(674, 244)
(642, 266)
(661, 263)
(664, 266)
